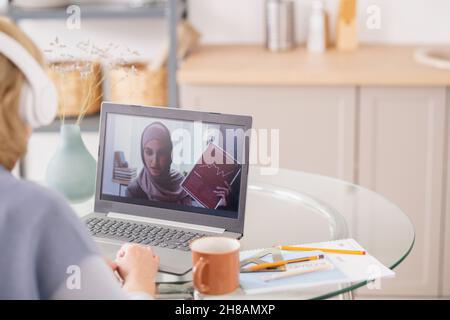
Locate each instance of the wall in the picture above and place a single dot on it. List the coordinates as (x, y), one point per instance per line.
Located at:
(402, 21)
(237, 21)
(146, 36)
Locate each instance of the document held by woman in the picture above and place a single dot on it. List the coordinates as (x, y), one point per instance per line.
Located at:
(214, 170)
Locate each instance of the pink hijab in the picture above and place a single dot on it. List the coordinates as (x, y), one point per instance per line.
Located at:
(167, 186)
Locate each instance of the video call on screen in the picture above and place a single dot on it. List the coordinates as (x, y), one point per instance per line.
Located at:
(173, 164)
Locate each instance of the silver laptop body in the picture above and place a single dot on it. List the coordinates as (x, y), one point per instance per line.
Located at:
(119, 218)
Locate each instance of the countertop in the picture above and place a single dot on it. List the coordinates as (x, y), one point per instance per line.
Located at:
(371, 65)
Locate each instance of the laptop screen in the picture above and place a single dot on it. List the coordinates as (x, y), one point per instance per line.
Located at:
(182, 165)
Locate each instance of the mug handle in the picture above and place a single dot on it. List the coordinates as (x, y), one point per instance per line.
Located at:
(198, 273)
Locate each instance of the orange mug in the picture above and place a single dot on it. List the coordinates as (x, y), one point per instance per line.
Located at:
(215, 263)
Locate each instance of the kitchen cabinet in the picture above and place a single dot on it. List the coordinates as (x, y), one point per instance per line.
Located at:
(401, 156)
(396, 141)
(316, 125)
(388, 139)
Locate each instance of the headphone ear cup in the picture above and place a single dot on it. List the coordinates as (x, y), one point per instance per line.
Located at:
(26, 107)
(38, 108)
(39, 97)
(46, 108)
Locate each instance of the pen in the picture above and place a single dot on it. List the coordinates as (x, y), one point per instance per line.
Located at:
(268, 265)
(340, 251)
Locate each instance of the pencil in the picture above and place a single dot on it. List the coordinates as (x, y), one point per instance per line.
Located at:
(268, 265)
(340, 251)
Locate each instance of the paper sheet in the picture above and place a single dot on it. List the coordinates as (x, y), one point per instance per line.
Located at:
(347, 269)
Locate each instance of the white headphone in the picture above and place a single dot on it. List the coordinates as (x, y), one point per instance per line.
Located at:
(39, 98)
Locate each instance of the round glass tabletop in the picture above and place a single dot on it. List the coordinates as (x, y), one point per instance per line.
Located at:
(294, 207)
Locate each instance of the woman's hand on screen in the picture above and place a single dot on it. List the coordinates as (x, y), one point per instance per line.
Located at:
(224, 194)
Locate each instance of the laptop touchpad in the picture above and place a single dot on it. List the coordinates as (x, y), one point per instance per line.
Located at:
(108, 249)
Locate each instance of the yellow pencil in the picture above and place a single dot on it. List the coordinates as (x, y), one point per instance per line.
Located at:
(268, 265)
(340, 251)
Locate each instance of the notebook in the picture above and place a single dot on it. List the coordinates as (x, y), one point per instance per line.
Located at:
(214, 169)
(345, 269)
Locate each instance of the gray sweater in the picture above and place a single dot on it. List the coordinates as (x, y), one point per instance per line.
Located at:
(44, 245)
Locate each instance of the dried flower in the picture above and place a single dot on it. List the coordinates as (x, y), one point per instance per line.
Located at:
(113, 55)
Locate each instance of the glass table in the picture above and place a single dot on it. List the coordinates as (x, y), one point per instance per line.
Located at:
(294, 207)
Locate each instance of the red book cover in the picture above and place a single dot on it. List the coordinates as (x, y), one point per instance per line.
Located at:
(211, 171)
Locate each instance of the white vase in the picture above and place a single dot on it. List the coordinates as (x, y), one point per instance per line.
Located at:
(72, 168)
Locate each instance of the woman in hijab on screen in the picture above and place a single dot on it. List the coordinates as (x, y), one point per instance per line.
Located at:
(157, 181)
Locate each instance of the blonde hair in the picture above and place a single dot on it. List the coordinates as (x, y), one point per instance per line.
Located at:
(13, 130)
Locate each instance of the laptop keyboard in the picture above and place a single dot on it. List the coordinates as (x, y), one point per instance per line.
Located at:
(152, 235)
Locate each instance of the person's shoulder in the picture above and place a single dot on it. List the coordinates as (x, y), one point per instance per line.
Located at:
(26, 196)
(40, 194)
(37, 209)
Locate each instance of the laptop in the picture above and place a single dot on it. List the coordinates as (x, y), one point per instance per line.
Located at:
(168, 176)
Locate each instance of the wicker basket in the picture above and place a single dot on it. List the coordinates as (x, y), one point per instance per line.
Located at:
(79, 86)
(137, 84)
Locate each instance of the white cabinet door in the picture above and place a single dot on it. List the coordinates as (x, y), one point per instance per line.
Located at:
(446, 251)
(43, 145)
(317, 125)
(401, 152)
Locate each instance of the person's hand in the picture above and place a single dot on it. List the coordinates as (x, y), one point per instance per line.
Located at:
(111, 264)
(223, 193)
(137, 266)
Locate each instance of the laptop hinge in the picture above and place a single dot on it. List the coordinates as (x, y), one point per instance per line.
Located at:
(117, 215)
